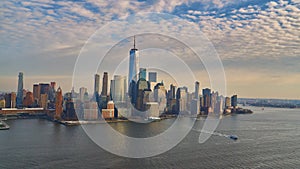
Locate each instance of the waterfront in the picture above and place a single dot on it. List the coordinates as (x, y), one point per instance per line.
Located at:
(268, 138)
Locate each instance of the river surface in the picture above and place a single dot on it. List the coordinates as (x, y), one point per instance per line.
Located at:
(269, 138)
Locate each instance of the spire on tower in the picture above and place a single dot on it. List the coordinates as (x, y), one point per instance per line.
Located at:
(134, 42)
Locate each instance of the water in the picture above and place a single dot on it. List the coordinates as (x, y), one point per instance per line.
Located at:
(267, 139)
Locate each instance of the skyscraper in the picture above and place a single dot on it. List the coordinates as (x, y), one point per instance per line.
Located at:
(160, 96)
(195, 103)
(118, 88)
(28, 100)
(20, 90)
(227, 102)
(104, 84)
(197, 90)
(142, 73)
(142, 89)
(58, 104)
(96, 87)
(10, 100)
(234, 101)
(181, 98)
(206, 100)
(207, 97)
(133, 63)
(51, 92)
(82, 92)
(152, 76)
(36, 92)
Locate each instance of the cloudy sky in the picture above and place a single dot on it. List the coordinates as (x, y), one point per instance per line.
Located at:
(258, 41)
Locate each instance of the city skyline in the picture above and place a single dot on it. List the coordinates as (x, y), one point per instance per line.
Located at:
(257, 39)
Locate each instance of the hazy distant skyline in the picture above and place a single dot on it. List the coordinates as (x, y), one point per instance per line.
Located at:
(258, 41)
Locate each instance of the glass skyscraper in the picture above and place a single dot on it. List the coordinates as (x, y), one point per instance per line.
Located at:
(96, 87)
(152, 76)
(142, 73)
(133, 64)
(20, 90)
(118, 88)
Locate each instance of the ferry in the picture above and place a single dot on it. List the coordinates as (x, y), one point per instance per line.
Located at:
(3, 126)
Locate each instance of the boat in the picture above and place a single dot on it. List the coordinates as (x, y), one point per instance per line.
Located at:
(3, 126)
(233, 137)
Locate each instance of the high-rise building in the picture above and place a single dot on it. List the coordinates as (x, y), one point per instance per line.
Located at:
(58, 104)
(44, 88)
(181, 97)
(152, 76)
(82, 92)
(51, 92)
(118, 88)
(197, 84)
(44, 101)
(90, 110)
(142, 73)
(96, 88)
(104, 84)
(142, 86)
(234, 101)
(28, 100)
(219, 105)
(213, 98)
(13, 99)
(10, 100)
(171, 101)
(206, 96)
(2, 103)
(195, 103)
(160, 96)
(36, 92)
(20, 90)
(172, 92)
(227, 102)
(133, 63)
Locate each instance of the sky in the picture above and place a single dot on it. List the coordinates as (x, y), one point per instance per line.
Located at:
(258, 41)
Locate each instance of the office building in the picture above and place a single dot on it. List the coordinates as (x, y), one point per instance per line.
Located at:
(90, 110)
(44, 101)
(152, 76)
(20, 90)
(96, 88)
(234, 101)
(28, 100)
(227, 102)
(58, 104)
(181, 98)
(2, 103)
(82, 93)
(160, 96)
(195, 102)
(206, 96)
(142, 73)
(118, 89)
(104, 84)
(133, 63)
(36, 92)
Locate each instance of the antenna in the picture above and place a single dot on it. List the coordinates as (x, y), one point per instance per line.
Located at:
(134, 42)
